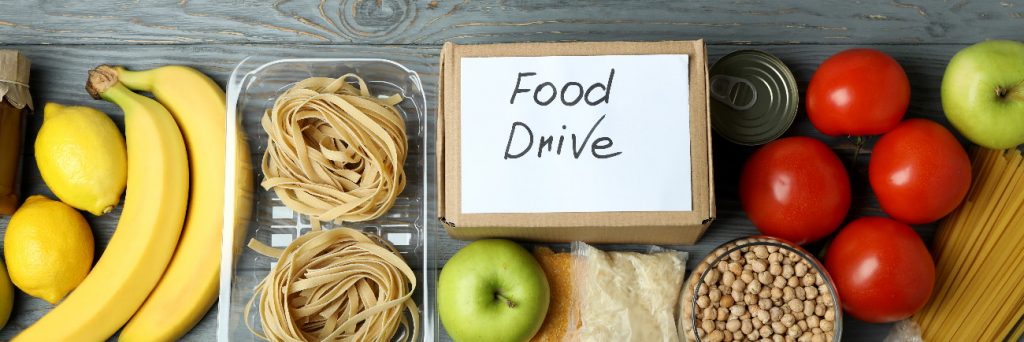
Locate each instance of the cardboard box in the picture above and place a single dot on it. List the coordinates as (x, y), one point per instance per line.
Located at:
(598, 226)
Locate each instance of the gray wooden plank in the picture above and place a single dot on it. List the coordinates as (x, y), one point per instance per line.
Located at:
(59, 74)
(433, 22)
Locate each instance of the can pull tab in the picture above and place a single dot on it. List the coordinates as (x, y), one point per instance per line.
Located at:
(735, 92)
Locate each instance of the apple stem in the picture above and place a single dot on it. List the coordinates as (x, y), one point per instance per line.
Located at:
(508, 302)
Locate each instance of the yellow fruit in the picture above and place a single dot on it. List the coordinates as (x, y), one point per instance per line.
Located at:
(6, 296)
(147, 232)
(48, 246)
(189, 287)
(81, 156)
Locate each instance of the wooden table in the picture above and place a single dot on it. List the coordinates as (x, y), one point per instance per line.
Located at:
(65, 39)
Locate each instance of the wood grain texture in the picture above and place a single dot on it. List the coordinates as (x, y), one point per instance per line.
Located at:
(433, 22)
(59, 75)
(64, 39)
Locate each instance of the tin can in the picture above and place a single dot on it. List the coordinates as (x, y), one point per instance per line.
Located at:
(754, 97)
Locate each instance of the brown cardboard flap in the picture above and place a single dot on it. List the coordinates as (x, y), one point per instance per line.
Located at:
(676, 227)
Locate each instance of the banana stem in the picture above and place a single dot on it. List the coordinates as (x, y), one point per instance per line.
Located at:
(138, 80)
(101, 79)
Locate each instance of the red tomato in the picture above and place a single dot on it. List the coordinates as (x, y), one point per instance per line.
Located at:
(919, 172)
(881, 269)
(858, 92)
(795, 189)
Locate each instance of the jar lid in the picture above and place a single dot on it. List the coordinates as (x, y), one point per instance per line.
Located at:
(754, 97)
(14, 71)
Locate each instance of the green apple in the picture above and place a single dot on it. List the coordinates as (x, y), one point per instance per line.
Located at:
(492, 290)
(983, 93)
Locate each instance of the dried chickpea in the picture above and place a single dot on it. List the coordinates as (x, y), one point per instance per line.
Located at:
(761, 252)
(778, 327)
(811, 292)
(726, 301)
(750, 298)
(787, 271)
(728, 278)
(819, 310)
(736, 269)
(779, 282)
(776, 293)
(776, 314)
(712, 277)
(808, 308)
(808, 279)
(800, 269)
(703, 302)
(758, 266)
(707, 325)
(737, 310)
(733, 325)
(765, 278)
(812, 321)
(747, 276)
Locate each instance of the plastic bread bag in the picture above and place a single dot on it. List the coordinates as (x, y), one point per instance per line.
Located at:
(905, 331)
(626, 296)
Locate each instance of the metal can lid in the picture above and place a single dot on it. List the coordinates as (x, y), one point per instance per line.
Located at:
(754, 97)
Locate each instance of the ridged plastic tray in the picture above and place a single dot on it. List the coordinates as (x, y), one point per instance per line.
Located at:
(254, 85)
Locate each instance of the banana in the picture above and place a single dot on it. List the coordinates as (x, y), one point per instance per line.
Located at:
(148, 229)
(190, 285)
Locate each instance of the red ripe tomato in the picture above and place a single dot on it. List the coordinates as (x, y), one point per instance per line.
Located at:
(881, 269)
(919, 172)
(858, 92)
(795, 189)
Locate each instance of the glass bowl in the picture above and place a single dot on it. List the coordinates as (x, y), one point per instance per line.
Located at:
(697, 283)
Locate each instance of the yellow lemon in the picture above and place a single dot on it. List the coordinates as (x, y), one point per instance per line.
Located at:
(6, 296)
(81, 156)
(49, 248)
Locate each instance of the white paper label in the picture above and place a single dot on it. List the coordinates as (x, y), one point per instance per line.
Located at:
(575, 134)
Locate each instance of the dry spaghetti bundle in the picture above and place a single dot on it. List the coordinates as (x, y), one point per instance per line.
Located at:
(980, 259)
(335, 152)
(336, 285)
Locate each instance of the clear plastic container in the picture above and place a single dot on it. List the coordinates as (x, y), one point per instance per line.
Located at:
(254, 85)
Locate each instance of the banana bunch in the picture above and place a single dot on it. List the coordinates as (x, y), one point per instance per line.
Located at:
(159, 274)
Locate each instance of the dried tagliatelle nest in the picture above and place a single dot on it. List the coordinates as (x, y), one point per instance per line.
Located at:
(335, 151)
(335, 285)
(760, 288)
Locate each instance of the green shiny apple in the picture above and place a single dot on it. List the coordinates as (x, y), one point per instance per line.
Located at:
(492, 290)
(983, 93)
